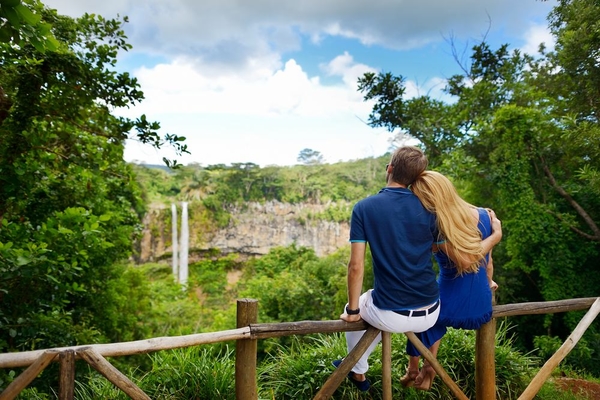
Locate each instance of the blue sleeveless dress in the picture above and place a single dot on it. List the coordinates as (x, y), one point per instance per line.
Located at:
(466, 301)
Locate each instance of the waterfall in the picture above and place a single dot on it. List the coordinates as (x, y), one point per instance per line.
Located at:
(183, 248)
(175, 250)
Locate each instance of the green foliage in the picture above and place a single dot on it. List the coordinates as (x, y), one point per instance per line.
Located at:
(575, 26)
(293, 368)
(280, 259)
(65, 271)
(70, 207)
(157, 183)
(292, 284)
(220, 186)
(172, 310)
(338, 212)
(583, 357)
(123, 306)
(298, 371)
(514, 370)
(21, 22)
(190, 373)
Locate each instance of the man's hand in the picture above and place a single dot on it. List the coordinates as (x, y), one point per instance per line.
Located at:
(350, 318)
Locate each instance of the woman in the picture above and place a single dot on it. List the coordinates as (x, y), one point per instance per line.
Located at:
(466, 268)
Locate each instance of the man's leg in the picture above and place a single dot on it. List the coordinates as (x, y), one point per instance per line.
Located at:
(362, 365)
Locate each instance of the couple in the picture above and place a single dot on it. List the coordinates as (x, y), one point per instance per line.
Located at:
(418, 212)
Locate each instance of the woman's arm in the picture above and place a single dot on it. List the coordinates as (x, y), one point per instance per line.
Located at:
(489, 270)
(492, 240)
(463, 260)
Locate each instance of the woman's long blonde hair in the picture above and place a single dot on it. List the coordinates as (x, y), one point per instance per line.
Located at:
(454, 218)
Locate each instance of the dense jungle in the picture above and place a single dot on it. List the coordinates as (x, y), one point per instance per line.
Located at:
(521, 136)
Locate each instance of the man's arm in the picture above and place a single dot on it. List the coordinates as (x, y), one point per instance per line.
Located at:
(356, 271)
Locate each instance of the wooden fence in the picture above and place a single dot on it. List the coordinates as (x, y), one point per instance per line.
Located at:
(248, 332)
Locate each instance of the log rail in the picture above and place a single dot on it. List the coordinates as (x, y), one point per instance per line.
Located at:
(248, 332)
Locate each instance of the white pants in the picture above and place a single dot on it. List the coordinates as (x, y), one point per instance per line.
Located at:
(387, 321)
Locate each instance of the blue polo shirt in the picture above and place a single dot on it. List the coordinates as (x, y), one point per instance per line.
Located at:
(400, 233)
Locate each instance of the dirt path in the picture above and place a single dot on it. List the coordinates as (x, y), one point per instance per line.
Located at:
(580, 386)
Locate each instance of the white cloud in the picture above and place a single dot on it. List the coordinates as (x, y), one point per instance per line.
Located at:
(535, 35)
(180, 87)
(345, 67)
(233, 77)
(265, 121)
(231, 32)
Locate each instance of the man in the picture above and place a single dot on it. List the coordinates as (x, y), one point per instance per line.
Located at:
(400, 233)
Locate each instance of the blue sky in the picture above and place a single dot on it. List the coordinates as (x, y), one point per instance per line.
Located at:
(260, 80)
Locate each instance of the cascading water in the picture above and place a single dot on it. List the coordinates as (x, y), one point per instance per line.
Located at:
(183, 248)
(175, 250)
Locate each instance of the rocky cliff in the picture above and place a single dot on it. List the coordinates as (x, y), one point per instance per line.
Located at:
(252, 230)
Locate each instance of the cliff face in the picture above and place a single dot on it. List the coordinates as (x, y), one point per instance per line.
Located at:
(252, 231)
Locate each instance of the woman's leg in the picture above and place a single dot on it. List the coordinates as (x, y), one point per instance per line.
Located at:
(427, 374)
(412, 371)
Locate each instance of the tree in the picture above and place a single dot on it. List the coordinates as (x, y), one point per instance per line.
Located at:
(310, 157)
(69, 205)
(21, 22)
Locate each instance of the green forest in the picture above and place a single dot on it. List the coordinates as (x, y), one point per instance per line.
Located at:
(521, 136)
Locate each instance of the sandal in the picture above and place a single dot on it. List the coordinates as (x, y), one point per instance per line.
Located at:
(408, 379)
(426, 376)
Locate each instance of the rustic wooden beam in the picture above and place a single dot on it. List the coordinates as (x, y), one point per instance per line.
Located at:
(335, 379)
(66, 385)
(111, 373)
(386, 365)
(25, 358)
(263, 331)
(543, 374)
(246, 353)
(542, 307)
(27, 376)
(485, 361)
(436, 366)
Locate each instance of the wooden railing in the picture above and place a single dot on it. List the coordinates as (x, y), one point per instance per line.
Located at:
(249, 332)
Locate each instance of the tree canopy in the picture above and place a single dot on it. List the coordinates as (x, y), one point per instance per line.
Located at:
(521, 136)
(69, 205)
(21, 22)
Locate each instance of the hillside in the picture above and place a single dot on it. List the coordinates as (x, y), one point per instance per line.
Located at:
(247, 210)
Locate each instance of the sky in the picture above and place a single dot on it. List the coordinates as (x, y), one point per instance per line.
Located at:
(258, 81)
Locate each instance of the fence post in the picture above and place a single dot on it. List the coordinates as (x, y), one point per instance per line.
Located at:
(485, 360)
(66, 385)
(386, 365)
(246, 349)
